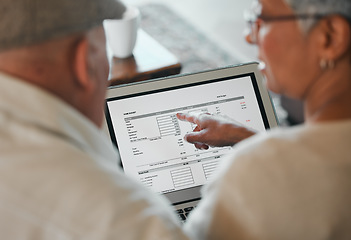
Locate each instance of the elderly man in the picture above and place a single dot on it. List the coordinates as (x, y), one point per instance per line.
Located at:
(58, 174)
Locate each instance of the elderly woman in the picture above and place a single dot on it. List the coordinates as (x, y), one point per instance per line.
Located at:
(292, 183)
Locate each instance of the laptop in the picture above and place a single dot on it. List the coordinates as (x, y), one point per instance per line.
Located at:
(141, 120)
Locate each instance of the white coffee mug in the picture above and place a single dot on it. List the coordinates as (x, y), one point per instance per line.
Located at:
(121, 33)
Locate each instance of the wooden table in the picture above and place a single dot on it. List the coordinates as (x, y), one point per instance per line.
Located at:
(150, 60)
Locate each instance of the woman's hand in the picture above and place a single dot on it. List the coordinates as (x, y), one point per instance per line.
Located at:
(214, 130)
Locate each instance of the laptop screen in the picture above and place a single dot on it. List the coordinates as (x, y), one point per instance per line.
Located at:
(149, 136)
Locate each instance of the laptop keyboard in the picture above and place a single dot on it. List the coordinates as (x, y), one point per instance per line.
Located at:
(183, 213)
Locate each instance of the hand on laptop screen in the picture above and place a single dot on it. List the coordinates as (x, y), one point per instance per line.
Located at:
(214, 130)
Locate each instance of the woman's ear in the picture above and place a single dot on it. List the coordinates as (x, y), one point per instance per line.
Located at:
(335, 37)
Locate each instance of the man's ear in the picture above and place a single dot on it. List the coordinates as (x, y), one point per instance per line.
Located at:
(335, 35)
(81, 66)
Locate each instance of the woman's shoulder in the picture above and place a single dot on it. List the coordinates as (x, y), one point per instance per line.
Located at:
(302, 136)
(287, 147)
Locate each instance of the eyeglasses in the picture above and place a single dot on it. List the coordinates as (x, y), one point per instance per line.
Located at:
(255, 20)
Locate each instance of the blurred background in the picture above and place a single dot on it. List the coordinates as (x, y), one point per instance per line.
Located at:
(220, 20)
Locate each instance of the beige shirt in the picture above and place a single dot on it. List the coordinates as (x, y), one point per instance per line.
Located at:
(59, 177)
(285, 184)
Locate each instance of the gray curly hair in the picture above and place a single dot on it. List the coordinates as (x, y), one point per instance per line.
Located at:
(324, 7)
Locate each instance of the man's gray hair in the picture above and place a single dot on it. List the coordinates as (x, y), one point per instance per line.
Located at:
(324, 7)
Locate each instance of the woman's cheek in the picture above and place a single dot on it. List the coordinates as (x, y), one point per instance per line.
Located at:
(270, 54)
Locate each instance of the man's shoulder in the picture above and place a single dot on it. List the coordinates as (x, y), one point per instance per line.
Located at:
(89, 191)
